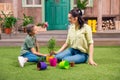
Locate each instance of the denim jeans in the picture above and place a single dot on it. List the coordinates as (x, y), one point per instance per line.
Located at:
(32, 57)
(72, 55)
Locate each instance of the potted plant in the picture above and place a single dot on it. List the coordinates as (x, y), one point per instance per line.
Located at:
(51, 45)
(8, 22)
(81, 4)
(51, 48)
(27, 20)
(42, 26)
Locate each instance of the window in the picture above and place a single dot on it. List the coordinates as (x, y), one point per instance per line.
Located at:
(90, 3)
(31, 3)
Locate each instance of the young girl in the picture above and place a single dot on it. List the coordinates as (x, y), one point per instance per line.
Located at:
(29, 50)
(79, 41)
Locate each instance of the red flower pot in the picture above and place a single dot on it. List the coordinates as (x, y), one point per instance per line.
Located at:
(8, 30)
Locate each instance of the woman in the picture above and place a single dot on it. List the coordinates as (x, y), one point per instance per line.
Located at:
(78, 47)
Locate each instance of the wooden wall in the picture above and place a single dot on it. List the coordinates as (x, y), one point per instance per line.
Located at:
(109, 8)
(35, 12)
(5, 1)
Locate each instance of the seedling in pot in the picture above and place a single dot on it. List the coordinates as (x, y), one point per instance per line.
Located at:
(51, 46)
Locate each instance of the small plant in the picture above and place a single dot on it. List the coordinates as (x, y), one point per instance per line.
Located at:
(81, 4)
(51, 45)
(27, 20)
(8, 20)
(44, 25)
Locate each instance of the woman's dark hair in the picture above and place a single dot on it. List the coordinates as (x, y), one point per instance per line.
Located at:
(76, 12)
(29, 28)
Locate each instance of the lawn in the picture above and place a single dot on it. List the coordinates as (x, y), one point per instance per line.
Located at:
(108, 59)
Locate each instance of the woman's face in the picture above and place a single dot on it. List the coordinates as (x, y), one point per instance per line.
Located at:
(71, 19)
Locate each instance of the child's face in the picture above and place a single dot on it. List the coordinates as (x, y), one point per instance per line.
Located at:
(34, 30)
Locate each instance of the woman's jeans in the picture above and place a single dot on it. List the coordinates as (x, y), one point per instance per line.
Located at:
(32, 57)
(72, 55)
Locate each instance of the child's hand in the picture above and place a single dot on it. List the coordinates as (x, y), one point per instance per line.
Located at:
(45, 54)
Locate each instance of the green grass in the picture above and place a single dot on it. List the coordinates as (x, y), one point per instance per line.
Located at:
(108, 59)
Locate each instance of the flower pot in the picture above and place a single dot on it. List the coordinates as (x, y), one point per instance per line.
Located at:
(41, 66)
(8, 30)
(53, 62)
(41, 29)
(72, 64)
(24, 30)
(64, 65)
(48, 58)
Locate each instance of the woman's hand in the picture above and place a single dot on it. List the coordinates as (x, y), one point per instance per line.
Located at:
(91, 62)
(52, 53)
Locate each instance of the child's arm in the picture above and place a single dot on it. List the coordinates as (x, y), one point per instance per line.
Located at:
(33, 50)
(37, 46)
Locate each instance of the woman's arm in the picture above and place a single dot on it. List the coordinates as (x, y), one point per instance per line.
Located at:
(90, 41)
(90, 59)
(65, 45)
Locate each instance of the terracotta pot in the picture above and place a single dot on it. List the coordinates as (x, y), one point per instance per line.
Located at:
(24, 30)
(8, 30)
(72, 64)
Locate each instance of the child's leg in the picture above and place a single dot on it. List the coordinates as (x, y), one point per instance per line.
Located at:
(31, 57)
(63, 54)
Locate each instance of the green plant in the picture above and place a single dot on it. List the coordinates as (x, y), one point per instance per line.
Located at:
(51, 44)
(8, 20)
(82, 4)
(40, 24)
(44, 25)
(27, 20)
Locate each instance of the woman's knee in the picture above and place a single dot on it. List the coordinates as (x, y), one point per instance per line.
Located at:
(59, 56)
(63, 54)
(76, 58)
